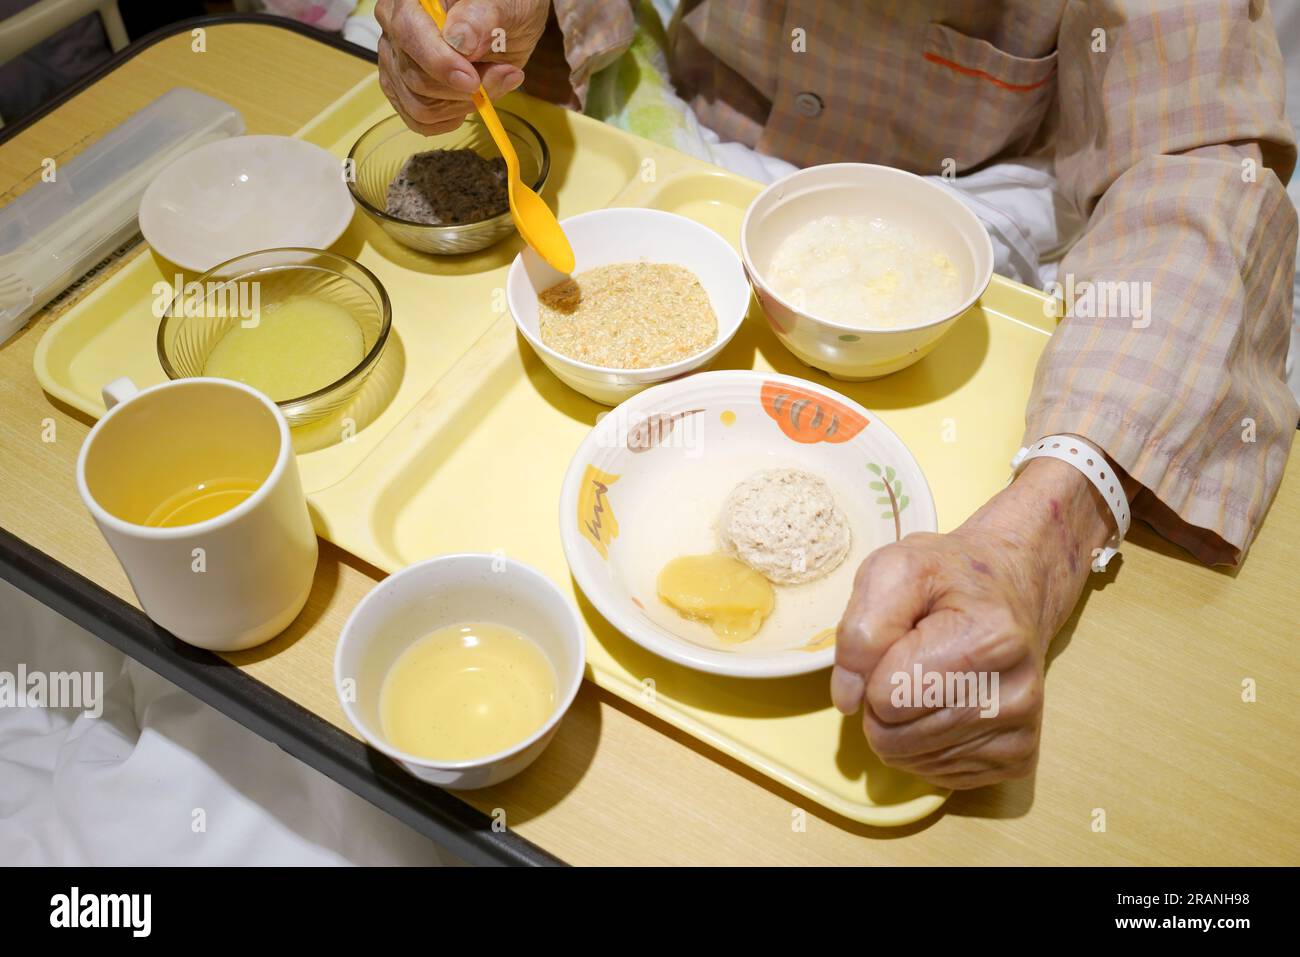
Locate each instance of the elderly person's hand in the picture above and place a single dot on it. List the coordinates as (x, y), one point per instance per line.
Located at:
(429, 76)
(987, 597)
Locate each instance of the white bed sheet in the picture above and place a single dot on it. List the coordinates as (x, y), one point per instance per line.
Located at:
(161, 778)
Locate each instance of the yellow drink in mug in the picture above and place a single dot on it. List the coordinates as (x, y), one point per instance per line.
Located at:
(195, 486)
(200, 501)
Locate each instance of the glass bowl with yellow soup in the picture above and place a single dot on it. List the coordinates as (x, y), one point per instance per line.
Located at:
(303, 326)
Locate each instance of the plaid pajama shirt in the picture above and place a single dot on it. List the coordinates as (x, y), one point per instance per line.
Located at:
(1166, 123)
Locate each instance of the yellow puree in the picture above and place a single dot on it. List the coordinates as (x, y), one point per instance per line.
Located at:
(718, 589)
(466, 691)
(299, 345)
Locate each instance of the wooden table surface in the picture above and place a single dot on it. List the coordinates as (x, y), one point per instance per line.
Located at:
(1146, 726)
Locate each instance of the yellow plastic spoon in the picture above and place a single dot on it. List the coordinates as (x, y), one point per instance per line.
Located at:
(533, 218)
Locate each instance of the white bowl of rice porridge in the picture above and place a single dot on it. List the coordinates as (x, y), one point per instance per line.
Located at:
(862, 269)
(653, 296)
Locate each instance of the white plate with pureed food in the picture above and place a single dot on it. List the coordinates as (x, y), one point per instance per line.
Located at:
(748, 477)
(653, 296)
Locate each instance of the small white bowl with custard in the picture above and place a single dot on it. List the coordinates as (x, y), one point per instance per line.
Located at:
(862, 269)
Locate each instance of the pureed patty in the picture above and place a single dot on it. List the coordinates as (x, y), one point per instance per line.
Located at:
(628, 316)
(466, 691)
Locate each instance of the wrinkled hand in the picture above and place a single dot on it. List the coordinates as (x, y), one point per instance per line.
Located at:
(430, 76)
(986, 598)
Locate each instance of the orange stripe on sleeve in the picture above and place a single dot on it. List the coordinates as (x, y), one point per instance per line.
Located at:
(968, 71)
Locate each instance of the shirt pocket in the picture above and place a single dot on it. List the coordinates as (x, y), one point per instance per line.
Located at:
(988, 101)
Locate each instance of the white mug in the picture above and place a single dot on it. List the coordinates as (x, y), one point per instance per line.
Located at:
(229, 581)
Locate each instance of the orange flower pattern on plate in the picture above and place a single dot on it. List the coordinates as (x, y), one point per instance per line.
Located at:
(809, 417)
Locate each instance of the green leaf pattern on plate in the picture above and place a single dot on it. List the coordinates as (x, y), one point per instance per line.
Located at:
(891, 488)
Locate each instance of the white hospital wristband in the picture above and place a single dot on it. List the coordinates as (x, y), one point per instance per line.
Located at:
(1085, 458)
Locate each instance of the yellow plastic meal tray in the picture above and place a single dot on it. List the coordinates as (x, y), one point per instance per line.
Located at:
(460, 439)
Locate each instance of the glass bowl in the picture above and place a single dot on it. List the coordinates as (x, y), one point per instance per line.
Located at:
(382, 149)
(206, 309)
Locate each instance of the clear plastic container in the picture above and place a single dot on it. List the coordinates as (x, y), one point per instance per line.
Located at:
(56, 231)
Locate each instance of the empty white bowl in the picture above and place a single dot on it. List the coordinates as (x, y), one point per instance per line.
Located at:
(244, 194)
(448, 590)
(604, 237)
(925, 209)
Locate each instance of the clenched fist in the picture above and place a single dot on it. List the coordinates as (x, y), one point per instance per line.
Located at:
(984, 600)
(429, 76)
